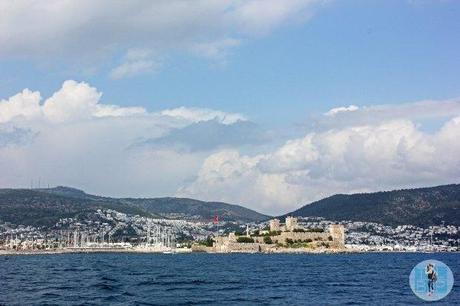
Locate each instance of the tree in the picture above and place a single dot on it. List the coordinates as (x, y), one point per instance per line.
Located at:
(208, 242)
(315, 230)
(244, 239)
(325, 244)
(268, 240)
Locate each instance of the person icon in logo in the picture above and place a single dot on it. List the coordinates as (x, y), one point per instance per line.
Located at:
(432, 278)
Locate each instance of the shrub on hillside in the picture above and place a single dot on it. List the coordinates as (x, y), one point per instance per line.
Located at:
(244, 239)
(268, 240)
(315, 230)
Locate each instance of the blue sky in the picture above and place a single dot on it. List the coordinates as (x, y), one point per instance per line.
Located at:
(277, 66)
(349, 52)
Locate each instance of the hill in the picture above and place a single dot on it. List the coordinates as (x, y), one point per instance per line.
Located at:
(197, 210)
(44, 207)
(421, 207)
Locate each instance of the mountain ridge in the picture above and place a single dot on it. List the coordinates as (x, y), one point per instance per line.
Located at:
(418, 206)
(42, 207)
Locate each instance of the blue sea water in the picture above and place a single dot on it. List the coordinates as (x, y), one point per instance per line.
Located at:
(221, 279)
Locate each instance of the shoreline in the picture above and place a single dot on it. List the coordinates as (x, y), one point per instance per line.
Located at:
(186, 251)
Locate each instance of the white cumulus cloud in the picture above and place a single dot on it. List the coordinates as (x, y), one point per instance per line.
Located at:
(199, 114)
(24, 105)
(74, 101)
(337, 110)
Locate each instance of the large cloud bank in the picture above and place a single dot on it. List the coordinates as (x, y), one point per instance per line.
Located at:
(73, 138)
(389, 155)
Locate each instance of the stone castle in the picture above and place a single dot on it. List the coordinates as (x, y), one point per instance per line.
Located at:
(282, 237)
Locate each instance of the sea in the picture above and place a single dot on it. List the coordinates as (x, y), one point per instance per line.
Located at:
(216, 279)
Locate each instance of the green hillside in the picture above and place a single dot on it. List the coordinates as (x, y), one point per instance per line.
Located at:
(194, 209)
(422, 206)
(44, 207)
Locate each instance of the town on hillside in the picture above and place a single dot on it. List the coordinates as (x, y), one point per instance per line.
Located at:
(110, 230)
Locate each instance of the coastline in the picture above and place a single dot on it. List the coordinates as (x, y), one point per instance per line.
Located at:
(188, 251)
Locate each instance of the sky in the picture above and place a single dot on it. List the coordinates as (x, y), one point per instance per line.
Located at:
(269, 104)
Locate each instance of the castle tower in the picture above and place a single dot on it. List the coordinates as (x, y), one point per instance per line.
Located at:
(337, 232)
(291, 223)
(274, 225)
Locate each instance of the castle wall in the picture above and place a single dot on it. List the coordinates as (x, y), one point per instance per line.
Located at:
(202, 248)
(299, 236)
(243, 247)
(229, 244)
